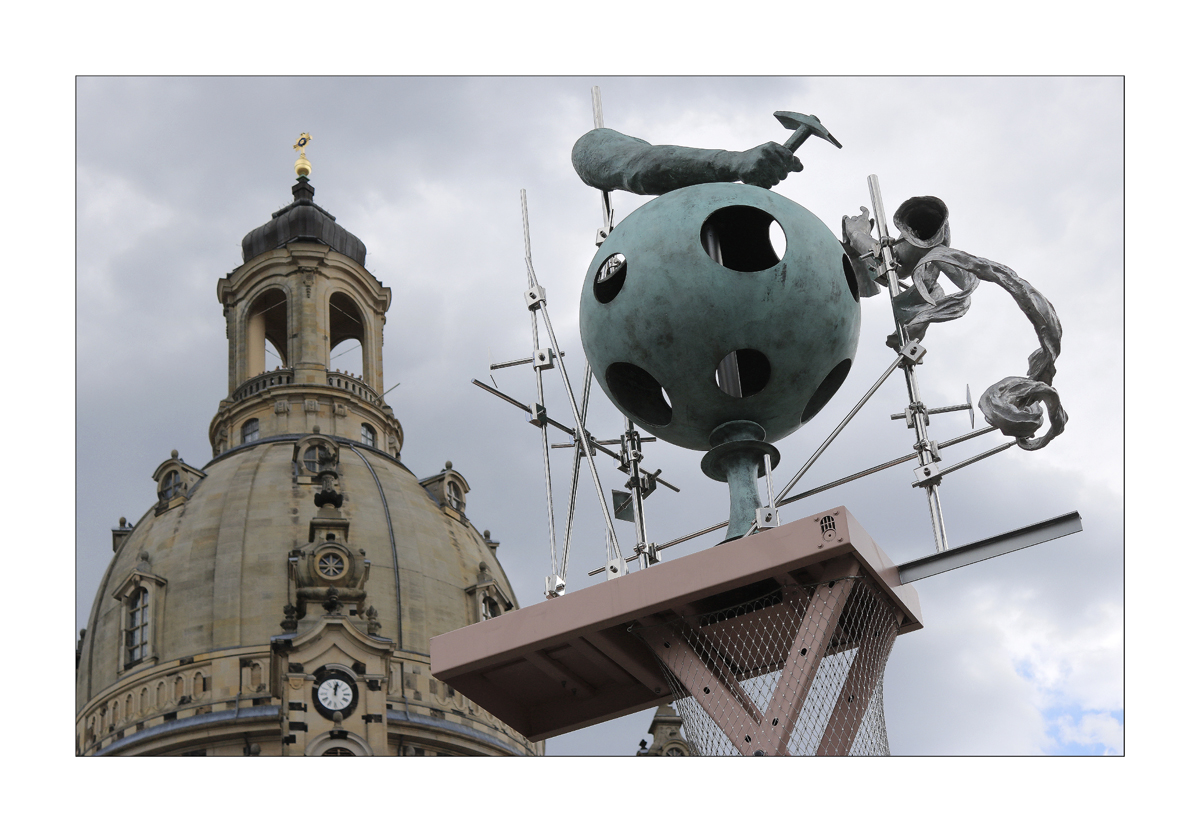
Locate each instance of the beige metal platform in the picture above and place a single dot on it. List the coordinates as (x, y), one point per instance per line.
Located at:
(570, 662)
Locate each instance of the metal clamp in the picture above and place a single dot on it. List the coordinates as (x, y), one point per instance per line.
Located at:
(766, 517)
(543, 359)
(912, 352)
(555, 586)
(537, 415)
(910, 414)
(930, 446)
(535, 296)
(927, 475)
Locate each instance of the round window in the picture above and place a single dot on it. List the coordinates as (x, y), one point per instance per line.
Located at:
(331, 565)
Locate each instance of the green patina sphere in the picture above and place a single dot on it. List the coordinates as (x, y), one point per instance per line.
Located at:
(659, 315)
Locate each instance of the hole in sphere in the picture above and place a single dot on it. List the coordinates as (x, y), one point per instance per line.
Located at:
(610, 277)
(639, 393)
(743, 373)
(826, 390)
(739, 238)
(851, 280)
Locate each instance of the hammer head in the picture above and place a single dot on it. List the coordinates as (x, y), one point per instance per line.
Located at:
(804, 126)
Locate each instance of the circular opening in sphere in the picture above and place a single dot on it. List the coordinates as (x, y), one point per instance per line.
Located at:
(739, 238)
(778, 239)
(851, 280)
(639, 393)
(743, 373)
(826, 390)
(610, 277)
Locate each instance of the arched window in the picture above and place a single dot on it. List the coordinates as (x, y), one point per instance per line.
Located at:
(454, 495)
(266, 324)
(345, 327)
(368, 435)
(137, 626)
(170, 486)
(249, 431)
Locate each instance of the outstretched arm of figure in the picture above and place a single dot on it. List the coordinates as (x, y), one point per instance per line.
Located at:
(612, 161)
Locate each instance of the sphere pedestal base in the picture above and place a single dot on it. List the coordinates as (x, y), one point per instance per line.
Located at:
(738, 457)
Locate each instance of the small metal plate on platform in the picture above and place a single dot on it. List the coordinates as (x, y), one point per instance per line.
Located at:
(570, 662)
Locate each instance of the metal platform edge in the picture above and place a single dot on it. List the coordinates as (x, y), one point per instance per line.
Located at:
(518, 666)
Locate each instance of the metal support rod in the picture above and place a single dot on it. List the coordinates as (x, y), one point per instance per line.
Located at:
(925, 454)
(1000, 544)
(966, 436)
(935, 410)
(587, 392)
(633, 451)
(958, 465)
(688, 537)
(596, 441)
(778, 500)
(770, 487)
(606, 222)
(515, 363)
(866, 472)
(583, 437)
(525, 408)
(541, 400)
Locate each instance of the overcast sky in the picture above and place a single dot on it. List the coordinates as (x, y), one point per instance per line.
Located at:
(1019, 655)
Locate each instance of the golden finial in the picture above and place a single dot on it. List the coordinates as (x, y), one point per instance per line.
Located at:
(303, 166)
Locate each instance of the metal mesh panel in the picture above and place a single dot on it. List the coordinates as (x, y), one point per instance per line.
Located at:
(797, 671)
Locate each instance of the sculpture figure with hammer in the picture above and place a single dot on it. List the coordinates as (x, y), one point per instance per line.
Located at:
(685, 348)
(608, 160)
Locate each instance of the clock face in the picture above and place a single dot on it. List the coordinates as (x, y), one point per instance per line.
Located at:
(335, 692)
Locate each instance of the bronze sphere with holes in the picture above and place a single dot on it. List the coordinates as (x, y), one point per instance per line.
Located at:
(691, 320)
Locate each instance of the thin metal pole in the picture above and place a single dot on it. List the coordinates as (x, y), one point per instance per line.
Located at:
(865, 472)
(924, 449)
(771, 504)
(587, 389)
(583, 438)
(633, 447)
(966, 436)
(958, 465)
(541, 399)
(688, 537)
(606, 208)
(791, 483)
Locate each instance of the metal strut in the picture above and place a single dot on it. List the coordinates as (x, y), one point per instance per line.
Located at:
(927, 470)
(585, 447)
(535, 300)
(538, 411)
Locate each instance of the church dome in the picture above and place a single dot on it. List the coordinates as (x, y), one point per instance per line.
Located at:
(303, 219)
(280, 599)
